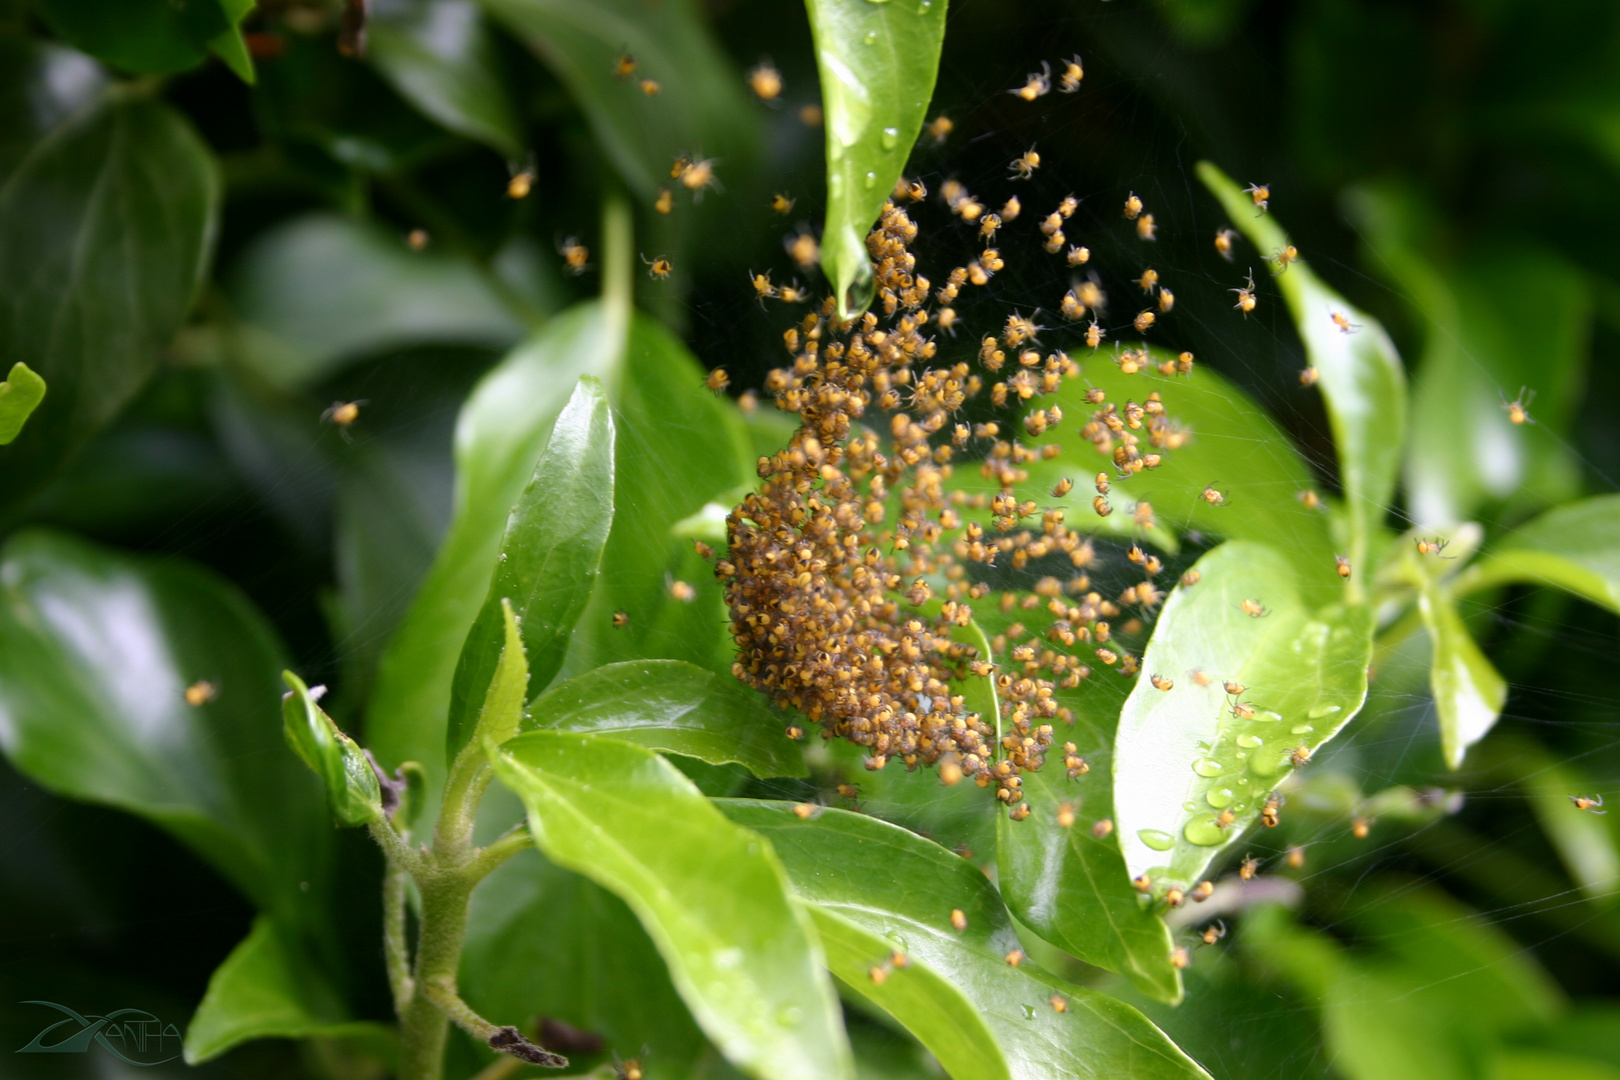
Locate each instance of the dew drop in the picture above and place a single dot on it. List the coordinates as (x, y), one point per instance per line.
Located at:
(789, 1016)
(1243, 781)
(1322, 710)
(1250, 741)
(891, 138)
(922, 8)
(871, 181)
(1301, 729)
(1208, 767)
(1189, 806)
(835, 180)
(1029, 1011)
(877, 1)
(871, 35)
(1264, 765)
(1157, 839)
(1204, 831)
(1218, 797)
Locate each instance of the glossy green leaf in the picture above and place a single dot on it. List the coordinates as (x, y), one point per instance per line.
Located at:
(879, 889)
(20, 395)
(700, 109)
(679, 446)
(543, 941)
(710, 894)
(878, 63)
(97, 651)
(1464, 449)
(441, 57)
(1360, 373)
(351, 784)
(1233, 445)
(675, 707)
(42, 83)
(319, 290)
(502, 709)
(105, 232)
(1468, 692)
(145, 36)
(549, 557)
(502, 430)
(1533, 1064)
(1068, 885)
(266, 990)
(1574, 547)
(1182, 757)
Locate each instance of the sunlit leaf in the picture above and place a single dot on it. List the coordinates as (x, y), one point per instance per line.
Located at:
(1233, 445)
(1468, 692)
(672, 706)
(1574, 547)
(1359, 372)
(878, 63)
(97, 653)
(265, 989)
(229, 44)
(105, 231)
(880, 890)
(20, 395)
(1062, 880)
(1184, 757)
(1464, 448)
(42, 83)
(440, 55)
(548, 560)
(502, 430)
(710, 894)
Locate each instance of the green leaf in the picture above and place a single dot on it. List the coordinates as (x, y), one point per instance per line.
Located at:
(700, 108)
(1360, 373)
(97, 651)
(1468, 692)
(149, 37)
(503, 428)
(229, 45)
(42, 83)
(1464, 450)
(679, 446)
(1587, 844)
(105, 232)
(549, 556)
(1068, 885)
(675, 707)
(266, 990)
(502, 711)
(351, 784)
(1574, 547)
(1527, 1064)
(878, 63)
(320, 290)
(1233, 445)
(1305, 672)
(878, 889)
(441, 57)
(543, 941)
(20, 395)
(711, 895)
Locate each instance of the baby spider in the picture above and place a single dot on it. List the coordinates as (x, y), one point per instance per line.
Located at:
(1254, 609)
(1223, 243)
(1035, 85)
(1133, 206)
(1283, 256)
(658, 267)
(1589, 803)
(1245, 295)
(1248, 867)
(1261, 194)
(1024, 166)
(763, 289)
(1213, 932)
(1073, 72)
(1213, 497)
(1342, 321)
(1436, 546)
(1518, 409)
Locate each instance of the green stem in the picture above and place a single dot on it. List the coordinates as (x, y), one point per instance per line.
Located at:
(424, 1026)
(618, 244)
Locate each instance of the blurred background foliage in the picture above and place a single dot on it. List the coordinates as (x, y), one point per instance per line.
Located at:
(249, 189)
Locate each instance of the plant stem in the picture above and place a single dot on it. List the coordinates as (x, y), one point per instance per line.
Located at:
(424, 1026)
(396, 953)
